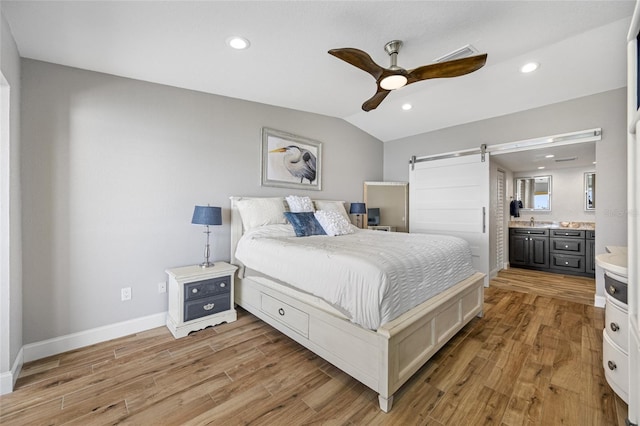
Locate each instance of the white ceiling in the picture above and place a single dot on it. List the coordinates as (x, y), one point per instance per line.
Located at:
(581, 46)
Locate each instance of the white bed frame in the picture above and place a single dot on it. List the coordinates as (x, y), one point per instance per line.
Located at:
(383, 359)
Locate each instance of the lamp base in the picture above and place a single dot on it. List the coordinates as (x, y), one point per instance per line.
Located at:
(206, 264)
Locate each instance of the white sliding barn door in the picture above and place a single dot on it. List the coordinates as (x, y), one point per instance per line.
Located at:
(451, 196)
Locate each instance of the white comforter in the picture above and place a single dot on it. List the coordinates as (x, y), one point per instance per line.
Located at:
(371, 276)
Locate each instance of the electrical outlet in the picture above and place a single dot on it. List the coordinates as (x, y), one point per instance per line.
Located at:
(162, 287)
(125, 293)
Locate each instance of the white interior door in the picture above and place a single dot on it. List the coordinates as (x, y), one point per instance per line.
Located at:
(451, 196)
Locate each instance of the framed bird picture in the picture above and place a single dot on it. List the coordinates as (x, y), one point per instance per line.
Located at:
(290, 161)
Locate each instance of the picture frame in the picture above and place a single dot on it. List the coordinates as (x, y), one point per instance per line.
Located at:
(290, 161)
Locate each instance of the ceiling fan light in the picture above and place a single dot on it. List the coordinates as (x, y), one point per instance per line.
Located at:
(393, 82)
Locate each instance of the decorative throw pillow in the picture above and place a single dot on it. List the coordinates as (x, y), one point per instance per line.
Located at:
(299, 204)
(304, 224)
(261, 211)
(333, 222)
(336, 206)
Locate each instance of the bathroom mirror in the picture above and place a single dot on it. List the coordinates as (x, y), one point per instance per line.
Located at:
(534, 192)
(589, 191)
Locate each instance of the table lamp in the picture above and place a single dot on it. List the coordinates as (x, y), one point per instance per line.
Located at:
(358, 209)
(207, 215)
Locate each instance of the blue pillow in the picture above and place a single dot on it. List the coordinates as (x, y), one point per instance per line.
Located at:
(305, 224)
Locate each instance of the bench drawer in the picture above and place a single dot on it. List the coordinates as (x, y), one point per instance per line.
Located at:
(286, 314)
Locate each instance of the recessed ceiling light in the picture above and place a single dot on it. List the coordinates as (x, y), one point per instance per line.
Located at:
(541, 167)
(407, 107)
(549, 156)
(238, 43)
(530, 67)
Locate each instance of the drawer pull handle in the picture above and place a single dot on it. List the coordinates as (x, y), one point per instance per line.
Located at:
(566, 246)
(208, 306)
(223, 285)
(281, 311)
(612, 289)
(612, 365)
(195, 290)
(614, 326)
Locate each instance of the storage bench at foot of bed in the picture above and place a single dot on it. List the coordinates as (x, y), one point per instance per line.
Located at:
(382, 360)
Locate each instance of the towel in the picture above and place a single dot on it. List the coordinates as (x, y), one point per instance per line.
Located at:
(514, 208)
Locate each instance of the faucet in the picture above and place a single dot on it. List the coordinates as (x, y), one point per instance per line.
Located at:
(531, 221)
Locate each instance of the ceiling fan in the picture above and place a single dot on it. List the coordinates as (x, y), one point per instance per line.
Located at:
(395, 77)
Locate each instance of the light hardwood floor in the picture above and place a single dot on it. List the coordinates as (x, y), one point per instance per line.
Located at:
(531, 359)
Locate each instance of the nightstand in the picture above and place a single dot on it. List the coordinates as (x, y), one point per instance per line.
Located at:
(200, 297)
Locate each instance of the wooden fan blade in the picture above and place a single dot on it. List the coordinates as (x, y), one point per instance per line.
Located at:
(375, 100)
(358, 58)
(454, 68)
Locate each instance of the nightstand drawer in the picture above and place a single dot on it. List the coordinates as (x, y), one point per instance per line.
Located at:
(206, 306)
(616, 367)
(293, 318)
(204, 288)
(616, 325)
(617, 289)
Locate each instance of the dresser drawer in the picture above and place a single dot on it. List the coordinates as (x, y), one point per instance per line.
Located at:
(615, 288)
(567, 233)
(204, 288)
(566, 262)
(206, 306)
(568, 245)
(616, 367)
(293, 318)
(616, 325)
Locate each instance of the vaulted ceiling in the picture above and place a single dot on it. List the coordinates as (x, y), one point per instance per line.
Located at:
(580, 45)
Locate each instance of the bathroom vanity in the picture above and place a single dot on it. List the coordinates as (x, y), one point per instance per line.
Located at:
(551, 247)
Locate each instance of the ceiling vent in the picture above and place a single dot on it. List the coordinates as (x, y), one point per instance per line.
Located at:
(560, 160)
(462, 52)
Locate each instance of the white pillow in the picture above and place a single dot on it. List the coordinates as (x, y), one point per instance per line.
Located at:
(333, 222)
(261, 211)
(334, 206)
(299, 204)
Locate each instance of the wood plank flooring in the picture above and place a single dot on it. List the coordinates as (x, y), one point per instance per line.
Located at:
(532, 359)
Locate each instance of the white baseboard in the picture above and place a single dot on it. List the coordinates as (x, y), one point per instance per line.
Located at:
(600, 301)
(33, 351)
(8, 379)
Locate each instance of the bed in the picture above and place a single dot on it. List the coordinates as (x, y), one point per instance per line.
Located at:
(381, 350)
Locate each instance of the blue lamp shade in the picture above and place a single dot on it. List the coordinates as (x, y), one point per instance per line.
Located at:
(358, 208)
(207, 215)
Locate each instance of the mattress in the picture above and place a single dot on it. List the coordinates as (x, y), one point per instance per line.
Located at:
(371, 277)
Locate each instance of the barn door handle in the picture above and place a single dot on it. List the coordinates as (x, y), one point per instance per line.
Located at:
(484, 220)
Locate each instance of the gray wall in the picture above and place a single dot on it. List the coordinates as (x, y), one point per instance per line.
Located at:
(11, 279)
(605, 110)
(111, 171)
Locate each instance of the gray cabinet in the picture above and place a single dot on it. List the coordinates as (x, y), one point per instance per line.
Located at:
(566, 251)
(590, 262)
(529, 247)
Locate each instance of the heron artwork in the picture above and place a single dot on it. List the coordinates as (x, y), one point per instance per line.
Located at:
(300, 162)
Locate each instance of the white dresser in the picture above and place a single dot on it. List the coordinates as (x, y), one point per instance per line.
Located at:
(615, 336)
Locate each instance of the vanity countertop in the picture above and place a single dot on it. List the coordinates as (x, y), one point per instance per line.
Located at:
(587, 226)
(615, 260)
